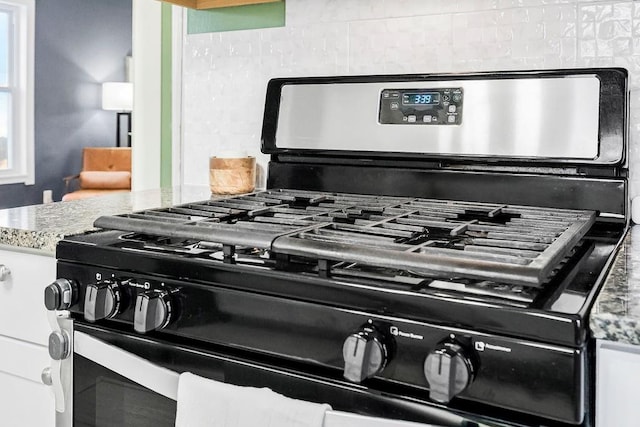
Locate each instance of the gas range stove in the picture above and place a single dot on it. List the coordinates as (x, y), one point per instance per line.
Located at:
(445, 262)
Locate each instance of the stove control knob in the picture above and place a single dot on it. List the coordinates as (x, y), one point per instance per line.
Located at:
(102, 300)
(60, 295)
(153, 311)
(365, 354)
(449, 369)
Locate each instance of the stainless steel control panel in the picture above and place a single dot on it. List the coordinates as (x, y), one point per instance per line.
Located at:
(535, 118)
(422, 106)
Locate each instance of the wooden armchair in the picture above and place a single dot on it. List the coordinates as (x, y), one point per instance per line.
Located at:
(104, 170)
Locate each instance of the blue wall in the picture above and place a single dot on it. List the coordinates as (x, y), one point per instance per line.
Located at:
(79, 44)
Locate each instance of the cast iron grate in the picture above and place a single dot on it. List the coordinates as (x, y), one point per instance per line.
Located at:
(440, 238)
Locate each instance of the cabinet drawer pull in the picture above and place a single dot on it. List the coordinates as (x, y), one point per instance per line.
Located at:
(46, 376)
(4, 272)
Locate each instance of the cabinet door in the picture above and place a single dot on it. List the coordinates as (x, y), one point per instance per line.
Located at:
(618, 373)
(22, 311)
(24, 400)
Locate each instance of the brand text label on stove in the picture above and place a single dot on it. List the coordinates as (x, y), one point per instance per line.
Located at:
(398, 333)
(482, 346)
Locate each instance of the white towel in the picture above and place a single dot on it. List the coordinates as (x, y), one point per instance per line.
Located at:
(206, 403)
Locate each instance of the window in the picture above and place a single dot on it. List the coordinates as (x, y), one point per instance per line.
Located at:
(17, 20)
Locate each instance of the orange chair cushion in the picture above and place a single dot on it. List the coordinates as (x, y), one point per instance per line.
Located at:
(105, 180)
(106, 159)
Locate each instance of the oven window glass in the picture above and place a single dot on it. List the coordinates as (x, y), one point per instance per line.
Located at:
(103, 398)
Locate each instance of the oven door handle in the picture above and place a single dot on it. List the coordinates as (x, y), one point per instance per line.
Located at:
(165, 381)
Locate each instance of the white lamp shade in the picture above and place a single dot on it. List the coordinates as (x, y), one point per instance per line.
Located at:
(117, 96)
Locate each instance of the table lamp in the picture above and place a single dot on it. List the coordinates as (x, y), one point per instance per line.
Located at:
(118, 96)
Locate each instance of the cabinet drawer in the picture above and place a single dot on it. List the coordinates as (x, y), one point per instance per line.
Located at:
(25, 403)
(22, 311)
(23, 359)
(617, 374)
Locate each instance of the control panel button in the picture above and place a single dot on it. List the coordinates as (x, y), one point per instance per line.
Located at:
(451, 119)
(153, 311)
(60, 295)
(426, 119)
(457, 97)
(411, 118)
(449, 369)
(394, 105)
(452, 108)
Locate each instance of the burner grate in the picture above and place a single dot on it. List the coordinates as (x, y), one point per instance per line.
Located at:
(442, 238)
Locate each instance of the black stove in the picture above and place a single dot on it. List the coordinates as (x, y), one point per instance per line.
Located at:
(430, 270)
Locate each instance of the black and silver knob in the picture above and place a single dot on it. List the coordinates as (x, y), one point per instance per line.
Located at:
(102, 300)
(449, 369)
(365, 354)
(60, 295)
(153, 311)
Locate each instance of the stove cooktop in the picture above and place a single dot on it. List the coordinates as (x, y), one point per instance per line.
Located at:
(423, 237)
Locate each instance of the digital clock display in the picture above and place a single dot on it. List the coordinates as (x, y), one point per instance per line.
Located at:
(421, 98)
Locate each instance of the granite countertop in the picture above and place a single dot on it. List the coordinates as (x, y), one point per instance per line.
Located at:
(616, 313)
(40, 227)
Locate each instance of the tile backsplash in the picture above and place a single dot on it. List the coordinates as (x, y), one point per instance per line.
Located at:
(225, 74)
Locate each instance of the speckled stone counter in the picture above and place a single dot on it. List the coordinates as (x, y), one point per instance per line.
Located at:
(40, 227)
(616, 313)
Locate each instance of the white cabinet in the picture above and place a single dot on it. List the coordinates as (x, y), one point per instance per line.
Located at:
(24, 400)
(617, 377)
(24, 331)
(22, 311)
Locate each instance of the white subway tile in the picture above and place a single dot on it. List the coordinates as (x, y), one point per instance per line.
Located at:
(504, 33)
(587, 30)
(635, 10)
(635, 45)
(604, 48)
(622, 47)
(603, 12)
(623, 10)
(569, 50)
(520, 15)
(587, 49)
(587, 12)
(552, 13)
(557, 30)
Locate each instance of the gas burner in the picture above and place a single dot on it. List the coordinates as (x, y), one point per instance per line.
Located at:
(241, 255)
(485, 290)
(151, 240)
(479, 290)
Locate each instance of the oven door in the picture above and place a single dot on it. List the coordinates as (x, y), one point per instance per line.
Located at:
(126, 380)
